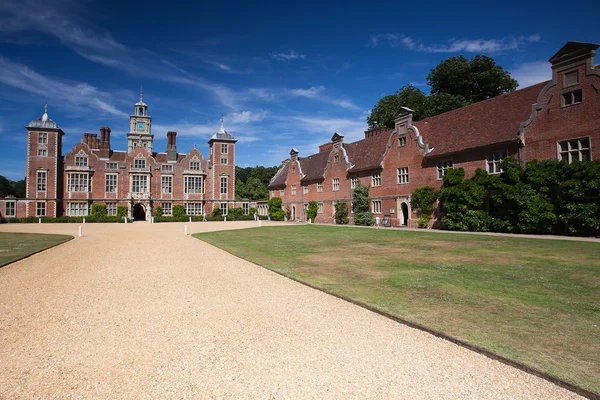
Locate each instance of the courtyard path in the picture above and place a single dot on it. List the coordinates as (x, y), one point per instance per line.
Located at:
(142, 311)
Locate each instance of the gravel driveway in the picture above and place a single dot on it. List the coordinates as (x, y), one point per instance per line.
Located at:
(142, 311)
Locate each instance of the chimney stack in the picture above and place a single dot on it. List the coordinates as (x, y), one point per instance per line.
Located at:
(104, 144)
(171, 146)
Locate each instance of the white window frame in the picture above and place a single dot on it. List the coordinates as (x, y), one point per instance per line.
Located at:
(336, 159)
(570, 151)
(193, 184)
(40, 209)
(223, 186)
(354, 181)
(224, 148)
(139, 182)
(109, 186)
(224, 209)
(224, 160)
(320, 208)
(403, 175)
(81, 161)
(166, 184)
(78, 182)
(42, 152)
(139, 163)
(305, 189)
(493, 160)
(335, 184)
(167, 208)
(376, 179)
(112, 166)
(42, 181)
(401, 140)
(293, 190)
(320, 187)
(442, 167)
(376, 206)
(166, 168)
(77, 208)
(245, 208)
(111, 208)
(281, 192)
(43, 138)
(193, 209)
(8, 207)
(195, 165)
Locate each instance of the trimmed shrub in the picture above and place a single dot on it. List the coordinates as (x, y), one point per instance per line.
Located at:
(362, 208)
(98, 210)
(423, 199)
(216, 212)
(158, 212)
(178, 211)
(341, 213)
(364, 219)
(122, 211)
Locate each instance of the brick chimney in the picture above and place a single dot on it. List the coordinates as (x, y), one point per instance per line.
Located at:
(171, 146)
(325, 147)
(104, 144)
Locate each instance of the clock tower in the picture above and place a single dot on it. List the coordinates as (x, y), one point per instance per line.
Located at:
(140, 127)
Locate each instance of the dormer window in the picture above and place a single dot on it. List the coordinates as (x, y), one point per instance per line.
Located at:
(571, 78)
(572, 98)
(336, 159)
(139, 163)
(195, 165)
(81, 161)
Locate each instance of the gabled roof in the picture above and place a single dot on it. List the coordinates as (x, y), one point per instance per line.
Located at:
(367, 153)
(313, 166)
(492, 121)
(280, 177)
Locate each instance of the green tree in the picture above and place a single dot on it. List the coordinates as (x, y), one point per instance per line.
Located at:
(455, 82)
(276, 213)
(19, 187)
(252, 183)
(312, 210)
(6, 187)
(361, 203)
(341, 212)
(407, 96)
(423, 199)
(475, 80)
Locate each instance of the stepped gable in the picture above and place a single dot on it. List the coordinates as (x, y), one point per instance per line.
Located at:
(367, 153)
(493, 121)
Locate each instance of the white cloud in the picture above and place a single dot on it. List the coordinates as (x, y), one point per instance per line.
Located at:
(74, 95)
(455, 45)
(530, 73)
(245, 117)
(352, 129)
(310, 93)
(290, 55)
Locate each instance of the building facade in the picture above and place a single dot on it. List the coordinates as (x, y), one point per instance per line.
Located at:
(139, 178)
(559, 118)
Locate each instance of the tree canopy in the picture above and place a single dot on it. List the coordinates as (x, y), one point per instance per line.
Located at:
(252, 183)
(12, 188)
(455, 82)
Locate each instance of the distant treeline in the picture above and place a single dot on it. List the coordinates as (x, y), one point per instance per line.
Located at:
(252, 183)
(11, 188)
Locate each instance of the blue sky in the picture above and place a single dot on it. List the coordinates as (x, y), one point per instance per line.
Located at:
(284, 74)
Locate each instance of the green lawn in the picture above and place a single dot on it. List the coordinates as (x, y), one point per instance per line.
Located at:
(14, 246)
(534, 301)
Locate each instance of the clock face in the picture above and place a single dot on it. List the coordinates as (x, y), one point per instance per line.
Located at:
(140, 126)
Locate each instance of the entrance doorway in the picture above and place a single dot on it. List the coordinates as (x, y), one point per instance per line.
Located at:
(293, 213)
(139, 213)
(404, 208)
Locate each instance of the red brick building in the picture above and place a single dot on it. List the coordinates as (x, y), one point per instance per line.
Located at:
(92, 172)
(559, 118)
